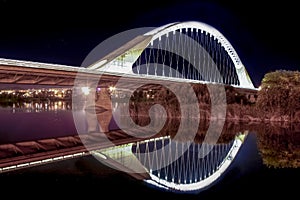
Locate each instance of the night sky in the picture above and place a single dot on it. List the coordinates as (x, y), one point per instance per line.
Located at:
(64, 32)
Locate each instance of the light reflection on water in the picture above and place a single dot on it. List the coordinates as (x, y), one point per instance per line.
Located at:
(31, 107)
(35, 120)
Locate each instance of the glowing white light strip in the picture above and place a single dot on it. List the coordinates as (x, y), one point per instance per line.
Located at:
(29, 164)
(23, 63)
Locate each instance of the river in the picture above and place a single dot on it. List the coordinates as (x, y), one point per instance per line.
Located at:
(265, 165)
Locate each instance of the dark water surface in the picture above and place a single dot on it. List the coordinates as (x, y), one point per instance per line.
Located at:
(266, 165)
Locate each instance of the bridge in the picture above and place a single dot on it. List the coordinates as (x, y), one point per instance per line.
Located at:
(177, 53)
(188, 51)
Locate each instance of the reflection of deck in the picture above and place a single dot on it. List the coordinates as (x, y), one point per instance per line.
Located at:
(21, 154)
(18, 155)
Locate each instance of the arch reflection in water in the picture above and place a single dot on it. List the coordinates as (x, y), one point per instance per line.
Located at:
(173, 165)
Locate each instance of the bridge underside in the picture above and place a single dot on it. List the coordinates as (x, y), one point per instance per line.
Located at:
(18, 75)
(10, 74)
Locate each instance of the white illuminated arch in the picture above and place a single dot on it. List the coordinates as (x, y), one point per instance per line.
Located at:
(138, 45)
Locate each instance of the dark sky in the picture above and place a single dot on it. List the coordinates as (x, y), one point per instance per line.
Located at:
(64, 32)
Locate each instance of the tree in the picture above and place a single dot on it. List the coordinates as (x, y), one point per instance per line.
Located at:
(280, 92)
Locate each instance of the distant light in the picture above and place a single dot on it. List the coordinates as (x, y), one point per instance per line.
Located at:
(85, 90)
(259, 88)
(112, 88)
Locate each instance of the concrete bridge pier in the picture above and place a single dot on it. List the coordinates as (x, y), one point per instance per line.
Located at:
(98, 103)
(103, 108)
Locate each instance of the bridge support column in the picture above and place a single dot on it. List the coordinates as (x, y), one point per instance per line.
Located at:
(103, 108)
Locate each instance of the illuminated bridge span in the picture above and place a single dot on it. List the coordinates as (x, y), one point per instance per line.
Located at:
(188, 51)
(173, 165)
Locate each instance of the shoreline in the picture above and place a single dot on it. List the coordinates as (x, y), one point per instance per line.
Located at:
(234, 112)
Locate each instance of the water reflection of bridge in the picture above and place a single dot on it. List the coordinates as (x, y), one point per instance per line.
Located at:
(26, 153)
(173, 165)
(23, 154)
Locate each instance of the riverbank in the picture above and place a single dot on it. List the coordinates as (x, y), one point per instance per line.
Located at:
(234, 112)
(238, 104)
